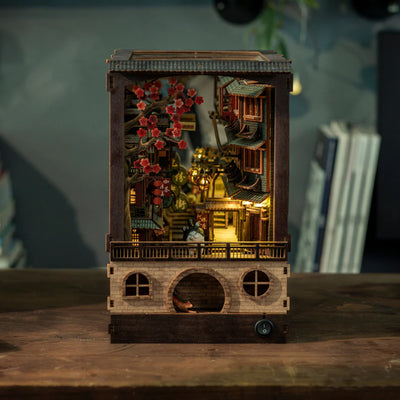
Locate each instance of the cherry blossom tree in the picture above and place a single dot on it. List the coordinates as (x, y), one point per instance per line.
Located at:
(151, 103)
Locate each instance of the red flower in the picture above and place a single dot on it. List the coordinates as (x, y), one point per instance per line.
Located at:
(185, 109)
(157, 201)
(180, 110)
(147, 169)
(159, 144)
(168, 132)
(170, 109)
(178, 103)
(136, 164)
(157, 192)
(157, 84)
(172, 81)
(154, 89)
(171, 91)
(141, 132)
(157, 183)
(140, 94)
(182, 144)
(176, 132)
(199, 100)
(143, 121)
(151, 126)
(155, 97)
(153, 119)
(189, 102)
(155, 132)
(175, 118)
(147, 86)
(141, 105)
(177, 125)
(156, 169)
(191, 92)
(144, 162)
(180, 86)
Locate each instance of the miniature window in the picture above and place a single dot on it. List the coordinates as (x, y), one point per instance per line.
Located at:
(137, 285)
(135, 236)
(253, 109)
(256, 283)
(252, 161)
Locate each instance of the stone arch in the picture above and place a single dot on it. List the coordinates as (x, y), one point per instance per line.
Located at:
(197, 274)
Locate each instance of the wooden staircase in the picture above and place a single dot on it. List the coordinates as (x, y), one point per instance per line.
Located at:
(176, 222)
(220, 220)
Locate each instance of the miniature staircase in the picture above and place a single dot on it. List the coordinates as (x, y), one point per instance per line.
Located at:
(176, 222)
(220, 220)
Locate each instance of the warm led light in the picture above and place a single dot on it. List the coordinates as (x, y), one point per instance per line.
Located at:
(297, 88)
(265, 203)
(204, 183)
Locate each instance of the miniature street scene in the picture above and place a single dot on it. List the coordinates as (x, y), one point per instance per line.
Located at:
(196, 159)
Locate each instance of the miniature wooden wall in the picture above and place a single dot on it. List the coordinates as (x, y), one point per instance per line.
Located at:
(165, 277)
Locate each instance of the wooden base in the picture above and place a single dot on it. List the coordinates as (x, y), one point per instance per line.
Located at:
(195, 328)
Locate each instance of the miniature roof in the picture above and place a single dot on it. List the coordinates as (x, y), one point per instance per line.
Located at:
(250, 195)
(245, 89)
(230, 187)
(251, 144)
(225, 80)
(201, 62)
(144, 223)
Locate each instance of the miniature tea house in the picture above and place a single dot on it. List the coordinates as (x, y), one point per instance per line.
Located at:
(198, 252)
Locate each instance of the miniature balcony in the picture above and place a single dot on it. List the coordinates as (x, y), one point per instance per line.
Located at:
(204, 251)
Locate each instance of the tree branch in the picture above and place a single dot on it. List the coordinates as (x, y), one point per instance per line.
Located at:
(149, 108)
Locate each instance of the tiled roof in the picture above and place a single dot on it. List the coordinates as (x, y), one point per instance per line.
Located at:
(144, 223)
(251, 144)
(250, 195)
(223, 80)
(223, 62)
(244, 89)
(229, 186)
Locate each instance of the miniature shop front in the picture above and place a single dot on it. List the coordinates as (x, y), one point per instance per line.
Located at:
(198, 229)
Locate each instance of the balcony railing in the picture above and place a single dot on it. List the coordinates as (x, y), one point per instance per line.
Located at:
(203, 251)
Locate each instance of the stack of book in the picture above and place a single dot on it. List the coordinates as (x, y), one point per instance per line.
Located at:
(338, 199)
(12, 252)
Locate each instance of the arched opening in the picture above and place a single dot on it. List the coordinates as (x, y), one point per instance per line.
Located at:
(203, 291)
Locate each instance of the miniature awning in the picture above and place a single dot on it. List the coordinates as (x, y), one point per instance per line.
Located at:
(144, 223)
(241, 88)
(250, 195)
(230, 187)
(222, 205)
(251, 144)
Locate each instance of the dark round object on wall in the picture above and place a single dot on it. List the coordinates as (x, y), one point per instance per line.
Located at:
(264, 327)
(376, 9)
(239, 11)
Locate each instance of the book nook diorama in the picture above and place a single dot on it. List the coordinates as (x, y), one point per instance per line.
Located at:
(199, 176)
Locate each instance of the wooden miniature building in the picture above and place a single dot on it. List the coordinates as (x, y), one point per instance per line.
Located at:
(198, 253)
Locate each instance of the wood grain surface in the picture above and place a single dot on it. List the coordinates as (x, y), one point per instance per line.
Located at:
(344, 341)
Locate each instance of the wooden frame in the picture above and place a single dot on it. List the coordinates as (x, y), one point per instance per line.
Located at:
(165, 261)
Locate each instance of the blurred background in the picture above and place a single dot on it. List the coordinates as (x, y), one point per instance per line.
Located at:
(54, 122)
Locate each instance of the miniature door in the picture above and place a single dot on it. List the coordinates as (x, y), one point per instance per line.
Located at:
(199, 159)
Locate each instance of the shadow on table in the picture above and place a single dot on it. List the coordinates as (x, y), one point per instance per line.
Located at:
(334, 307)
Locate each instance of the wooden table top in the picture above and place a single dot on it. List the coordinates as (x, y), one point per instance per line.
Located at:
(344, 340)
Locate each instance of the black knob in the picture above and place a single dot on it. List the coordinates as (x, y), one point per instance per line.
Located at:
(264, 327)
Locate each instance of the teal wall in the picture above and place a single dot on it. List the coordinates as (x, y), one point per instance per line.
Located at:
(54, 107)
